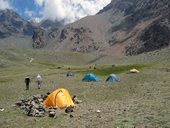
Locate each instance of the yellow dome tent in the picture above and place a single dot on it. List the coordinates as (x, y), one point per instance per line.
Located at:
(134, 70)
(59, 98)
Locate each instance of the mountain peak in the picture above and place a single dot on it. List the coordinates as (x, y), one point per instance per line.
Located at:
(12, 23)
(50, 24)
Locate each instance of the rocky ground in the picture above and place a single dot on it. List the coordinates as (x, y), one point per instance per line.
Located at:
(138, 100)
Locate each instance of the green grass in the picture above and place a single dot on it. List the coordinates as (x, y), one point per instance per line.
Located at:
(123, 122)
(49, 65)
(138, 100)
(102, 71)
(4, 80)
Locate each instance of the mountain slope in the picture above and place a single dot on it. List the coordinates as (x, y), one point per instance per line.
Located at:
(124, 27)
(12, 24)
(50, 24)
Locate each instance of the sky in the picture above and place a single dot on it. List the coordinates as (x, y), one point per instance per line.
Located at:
(60, 10)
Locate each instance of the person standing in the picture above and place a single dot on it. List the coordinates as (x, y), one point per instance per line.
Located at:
(27, 82)
(39, 80)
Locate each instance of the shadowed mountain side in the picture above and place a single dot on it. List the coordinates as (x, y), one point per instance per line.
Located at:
(124, 27)
(12, 24)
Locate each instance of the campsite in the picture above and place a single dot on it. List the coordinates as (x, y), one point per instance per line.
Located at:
(84, 63)
(137, 100)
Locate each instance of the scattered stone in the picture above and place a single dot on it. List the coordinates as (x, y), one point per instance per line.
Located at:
(76, 100)
(40, 100)
(69, 109)
(71, 116)
(98, 111)
(168, 69)
(19, 103)
(52, 114)
(33, 106)
(14, 105)
(113, 65)
(2, 109)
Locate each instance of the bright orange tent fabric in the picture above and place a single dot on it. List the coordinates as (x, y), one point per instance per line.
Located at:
(59, 98)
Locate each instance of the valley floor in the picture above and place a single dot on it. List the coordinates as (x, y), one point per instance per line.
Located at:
(138, 100)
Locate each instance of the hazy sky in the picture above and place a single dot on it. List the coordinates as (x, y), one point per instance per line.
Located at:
(67, 10)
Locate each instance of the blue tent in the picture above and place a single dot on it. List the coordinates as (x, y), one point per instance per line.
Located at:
(90, 77)
(112, 78)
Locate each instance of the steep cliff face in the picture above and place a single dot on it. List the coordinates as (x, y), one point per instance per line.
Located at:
(38, 38)
(145, 26)
(156, 36)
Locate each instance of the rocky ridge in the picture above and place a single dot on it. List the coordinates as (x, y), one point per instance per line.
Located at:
(124, 27)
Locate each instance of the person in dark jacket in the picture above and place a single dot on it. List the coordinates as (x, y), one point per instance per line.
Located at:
(27, 82)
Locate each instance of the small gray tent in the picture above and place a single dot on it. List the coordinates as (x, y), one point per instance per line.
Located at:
(70, 74)
(112, 78)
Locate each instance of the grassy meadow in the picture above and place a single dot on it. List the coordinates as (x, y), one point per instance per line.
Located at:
(139, 100)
